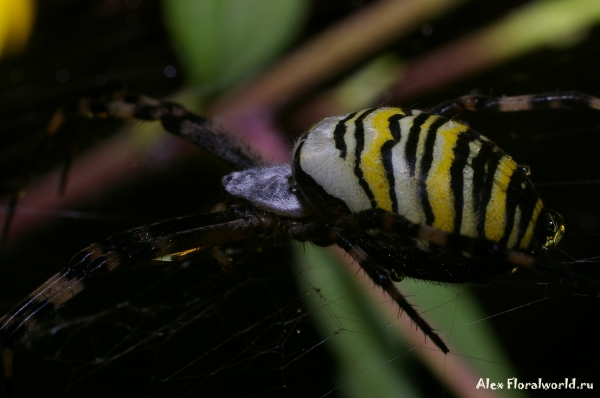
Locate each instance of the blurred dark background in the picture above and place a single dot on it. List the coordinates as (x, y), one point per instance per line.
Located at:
(189, 328)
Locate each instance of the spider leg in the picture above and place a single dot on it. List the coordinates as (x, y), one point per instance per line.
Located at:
(175, 118)
(485, 103)
(383, 279)
(135, 246)
(342, 234)
(49, 135)
(481, 248)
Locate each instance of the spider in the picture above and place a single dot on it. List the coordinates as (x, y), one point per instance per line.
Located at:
(405, 193)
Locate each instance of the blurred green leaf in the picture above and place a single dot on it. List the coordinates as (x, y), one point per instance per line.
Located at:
(228, 40)
(357, 334)
(372, 357)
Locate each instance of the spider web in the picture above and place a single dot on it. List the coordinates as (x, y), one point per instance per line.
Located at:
(171, 329)
(188, 328)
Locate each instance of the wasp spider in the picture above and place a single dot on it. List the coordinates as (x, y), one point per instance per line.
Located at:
(405, 193)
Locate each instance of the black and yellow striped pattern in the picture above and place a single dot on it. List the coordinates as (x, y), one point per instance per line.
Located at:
(429, 169)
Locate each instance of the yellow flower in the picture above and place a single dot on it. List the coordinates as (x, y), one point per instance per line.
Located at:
(16, 21)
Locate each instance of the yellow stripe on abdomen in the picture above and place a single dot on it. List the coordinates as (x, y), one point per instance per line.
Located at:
(441, 195)
(526, 241)
(377, 133)
(495, 216)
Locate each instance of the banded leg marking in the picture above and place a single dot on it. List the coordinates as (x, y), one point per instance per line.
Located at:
(96, 261)
(481, 103)
(174, 117)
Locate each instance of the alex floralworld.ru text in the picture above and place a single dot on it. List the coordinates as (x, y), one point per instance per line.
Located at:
(514, 384)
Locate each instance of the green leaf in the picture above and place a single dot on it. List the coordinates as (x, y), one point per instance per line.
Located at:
(228, 40)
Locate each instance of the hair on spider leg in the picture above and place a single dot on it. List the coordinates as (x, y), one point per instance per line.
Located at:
(405, 193)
